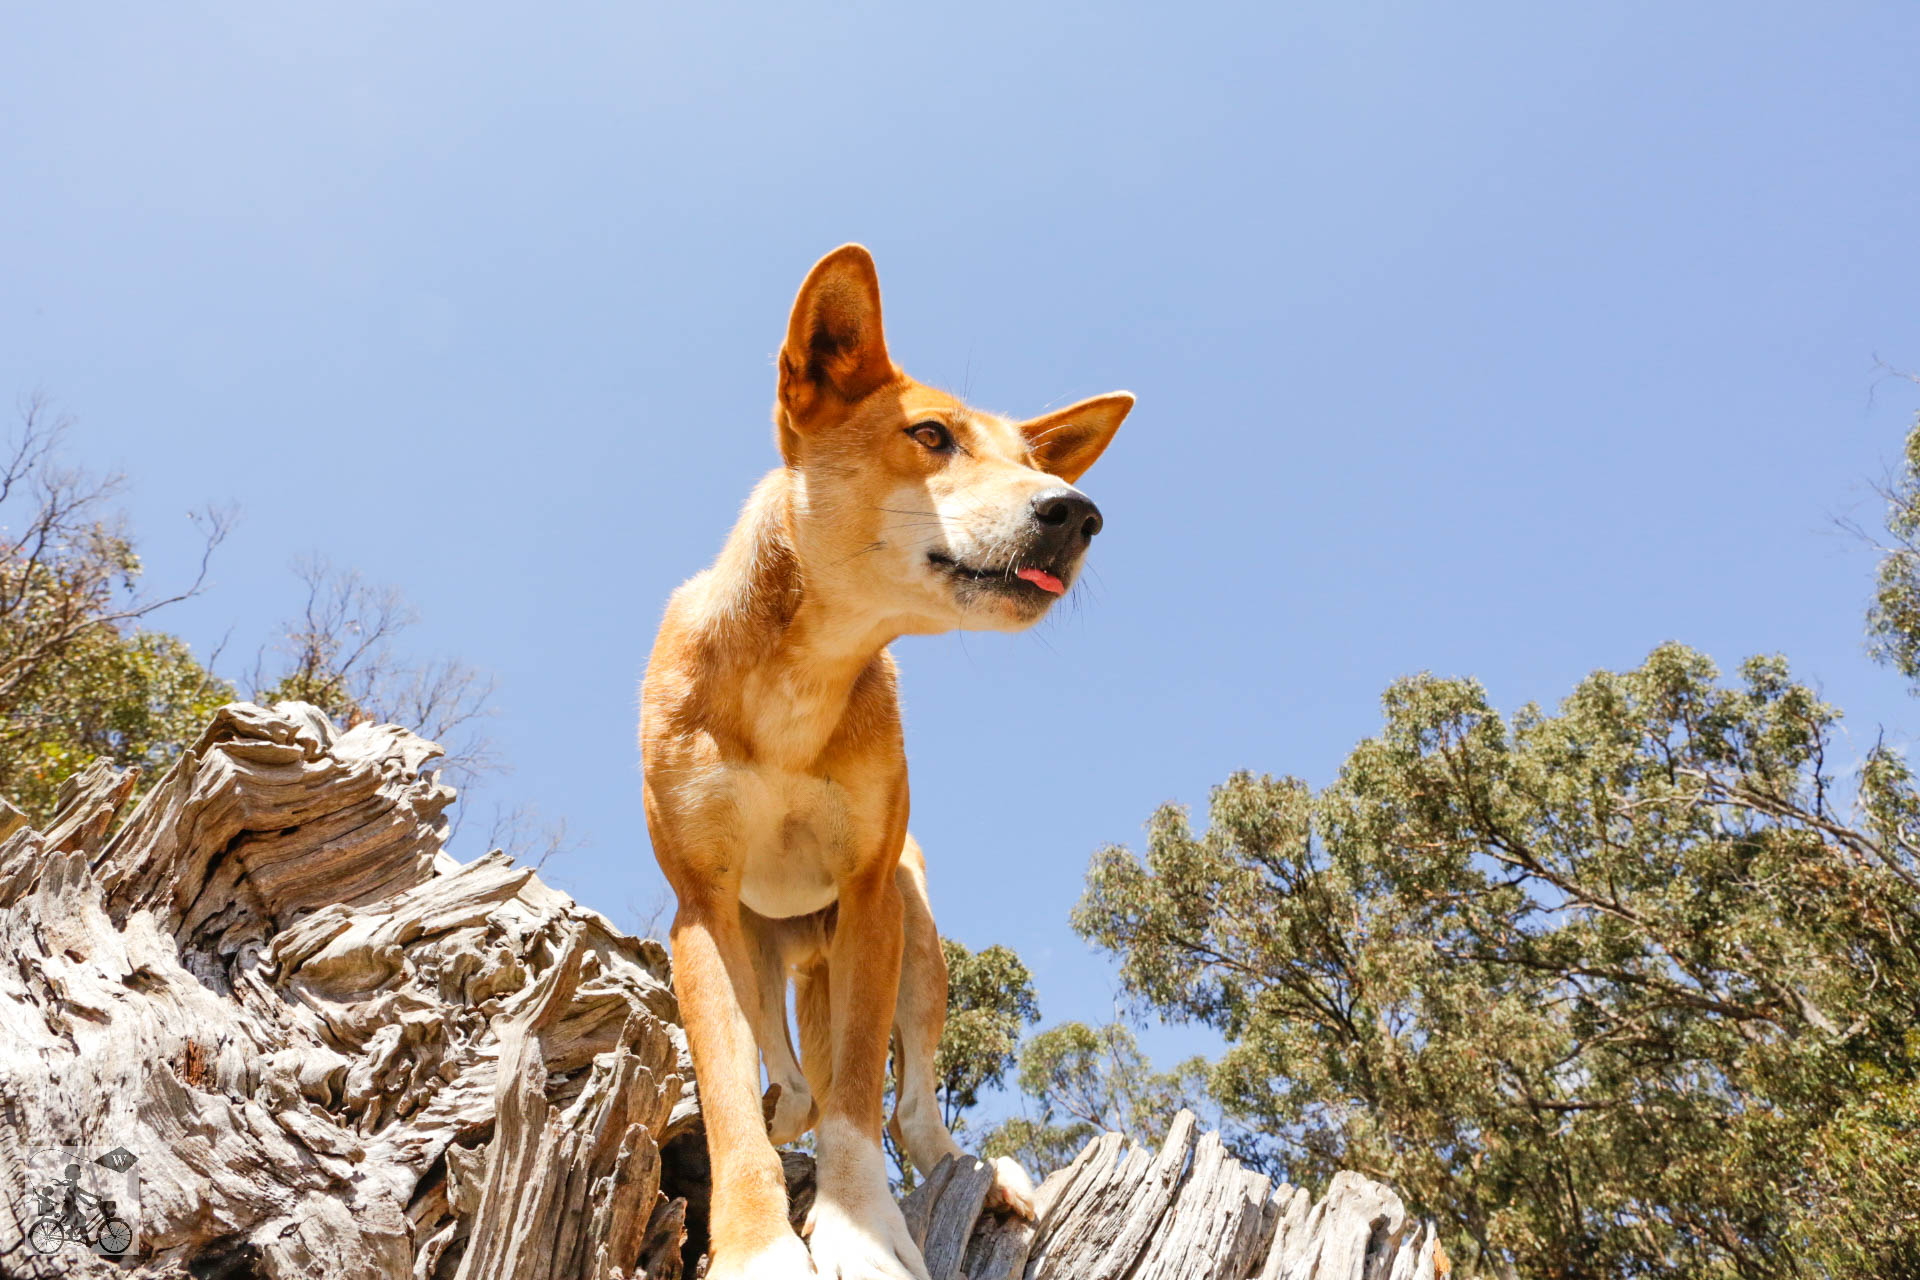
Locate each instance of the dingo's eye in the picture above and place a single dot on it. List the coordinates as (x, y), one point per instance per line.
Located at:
(931, 435)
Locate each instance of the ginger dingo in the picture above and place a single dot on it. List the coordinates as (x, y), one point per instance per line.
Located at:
(776, 778)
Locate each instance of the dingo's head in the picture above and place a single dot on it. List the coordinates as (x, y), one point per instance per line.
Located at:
(923, 510)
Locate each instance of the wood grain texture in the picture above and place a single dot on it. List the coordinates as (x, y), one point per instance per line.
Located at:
(339, 1052)
(1189, 1211)
(335, 1050)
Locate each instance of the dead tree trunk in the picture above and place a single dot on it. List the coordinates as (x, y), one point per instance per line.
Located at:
(331, 1050)
(1186, 1212)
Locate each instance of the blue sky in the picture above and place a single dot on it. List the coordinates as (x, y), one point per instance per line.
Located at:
(1495, 339)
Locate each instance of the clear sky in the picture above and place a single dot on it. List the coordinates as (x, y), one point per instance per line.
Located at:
(1495, 339)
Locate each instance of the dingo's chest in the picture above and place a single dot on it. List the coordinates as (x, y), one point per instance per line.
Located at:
(799, 838)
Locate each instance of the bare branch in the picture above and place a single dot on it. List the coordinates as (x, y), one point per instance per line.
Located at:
(67, 564)
(340, 654)
(527, 837)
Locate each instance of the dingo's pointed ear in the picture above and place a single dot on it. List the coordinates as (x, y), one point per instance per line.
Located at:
(835, 346)
(1066, 442)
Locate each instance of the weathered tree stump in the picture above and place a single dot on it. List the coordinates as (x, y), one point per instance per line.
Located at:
(1186, 1212)
(338, 1052)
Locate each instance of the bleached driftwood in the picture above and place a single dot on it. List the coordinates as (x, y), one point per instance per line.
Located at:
(1189, 1211)
(336, 1051)
(340, 1053)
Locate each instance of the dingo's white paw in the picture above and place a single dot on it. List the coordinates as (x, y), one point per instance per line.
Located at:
(1012, 1189)
(785, 1259)
(865, 1242)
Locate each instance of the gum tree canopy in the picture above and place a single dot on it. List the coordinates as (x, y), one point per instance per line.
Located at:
(1592, 985)
(1627, 988)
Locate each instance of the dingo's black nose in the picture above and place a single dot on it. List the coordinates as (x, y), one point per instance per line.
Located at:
(1067, 514)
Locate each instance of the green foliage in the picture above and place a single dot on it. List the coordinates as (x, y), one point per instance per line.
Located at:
(1893, 622)
(1861, 1212)
(1082, 1081)
(990, 1002)
(1585, 984)
(1076, 1080)
(80, 678)
(134, 698)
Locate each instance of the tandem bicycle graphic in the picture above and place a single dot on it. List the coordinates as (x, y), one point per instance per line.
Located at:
(83, 1200)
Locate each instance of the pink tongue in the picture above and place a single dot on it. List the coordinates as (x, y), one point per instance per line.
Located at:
(1041, 579)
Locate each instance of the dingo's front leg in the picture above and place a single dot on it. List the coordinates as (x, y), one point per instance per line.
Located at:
(858, 1232)
(713, 976)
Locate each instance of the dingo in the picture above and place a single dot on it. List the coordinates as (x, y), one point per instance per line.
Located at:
(776, 779)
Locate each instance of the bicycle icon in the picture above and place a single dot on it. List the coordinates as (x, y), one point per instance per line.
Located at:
(69, 1212)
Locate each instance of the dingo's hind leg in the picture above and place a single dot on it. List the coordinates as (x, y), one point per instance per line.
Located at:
(920, 1014)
